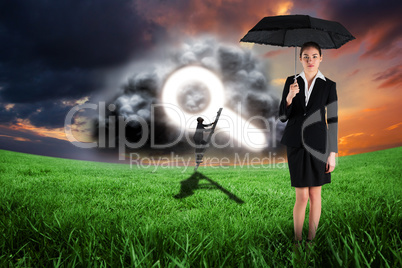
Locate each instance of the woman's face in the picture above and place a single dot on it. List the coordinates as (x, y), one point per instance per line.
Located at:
(310, 60)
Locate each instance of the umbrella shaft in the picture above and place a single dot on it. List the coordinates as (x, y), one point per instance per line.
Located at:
(295, 60)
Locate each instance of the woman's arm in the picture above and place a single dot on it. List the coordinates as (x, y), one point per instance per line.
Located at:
(332, 121)
(208, 125)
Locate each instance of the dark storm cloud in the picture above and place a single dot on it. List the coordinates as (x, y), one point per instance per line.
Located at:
(73, 33)
(52, 50)
(35, 82)
(48, 114)
(228, 19)
(376, 22)
(7, 115)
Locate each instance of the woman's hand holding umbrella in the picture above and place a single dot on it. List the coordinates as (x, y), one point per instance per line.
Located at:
(293, 90)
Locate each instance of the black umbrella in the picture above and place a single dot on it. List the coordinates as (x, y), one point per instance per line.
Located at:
(295, 30)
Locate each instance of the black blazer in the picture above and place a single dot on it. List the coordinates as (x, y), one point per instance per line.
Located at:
(320, 128)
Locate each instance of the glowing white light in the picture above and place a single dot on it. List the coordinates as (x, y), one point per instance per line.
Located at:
(231, 123)
(195, 74)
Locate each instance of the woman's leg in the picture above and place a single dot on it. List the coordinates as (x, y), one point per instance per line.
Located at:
(315, 211)
(299, 210)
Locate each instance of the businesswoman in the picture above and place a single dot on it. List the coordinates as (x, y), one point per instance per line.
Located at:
(309, 105)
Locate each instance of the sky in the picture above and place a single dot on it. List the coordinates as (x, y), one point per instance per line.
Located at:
(55, 55)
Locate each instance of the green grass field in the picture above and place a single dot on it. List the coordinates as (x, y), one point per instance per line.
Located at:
(65, 213)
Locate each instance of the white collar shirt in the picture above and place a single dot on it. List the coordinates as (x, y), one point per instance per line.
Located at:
(307, 92)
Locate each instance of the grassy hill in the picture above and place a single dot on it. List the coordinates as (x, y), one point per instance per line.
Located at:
(59, 212)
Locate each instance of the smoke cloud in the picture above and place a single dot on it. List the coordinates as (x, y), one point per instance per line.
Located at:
(243, 76)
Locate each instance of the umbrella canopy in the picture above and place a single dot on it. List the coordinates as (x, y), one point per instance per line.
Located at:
(295, 30)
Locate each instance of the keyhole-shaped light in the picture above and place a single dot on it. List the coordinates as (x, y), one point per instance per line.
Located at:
(194, 91)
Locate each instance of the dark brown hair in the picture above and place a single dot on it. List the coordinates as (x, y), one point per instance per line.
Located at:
(310, 44)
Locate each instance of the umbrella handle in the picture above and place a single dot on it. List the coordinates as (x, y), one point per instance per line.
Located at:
(296, 75)
(295, 61)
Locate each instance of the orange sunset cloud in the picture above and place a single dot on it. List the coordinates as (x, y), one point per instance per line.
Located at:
(394, 126)
(18, 138)
(370, 129)
(81, 130)
(392, 77)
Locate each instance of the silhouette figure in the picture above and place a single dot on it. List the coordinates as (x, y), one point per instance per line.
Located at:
(199, 138)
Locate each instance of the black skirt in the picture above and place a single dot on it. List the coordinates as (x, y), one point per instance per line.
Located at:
(306, 170)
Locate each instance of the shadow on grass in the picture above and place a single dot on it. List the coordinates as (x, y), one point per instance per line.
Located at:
(191, 184)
